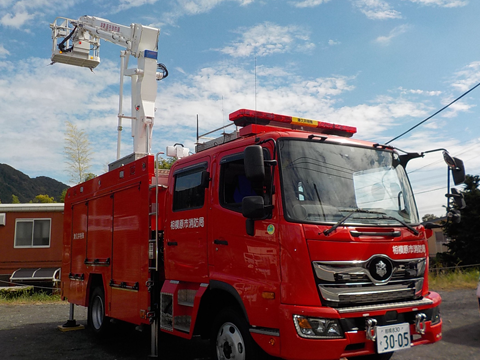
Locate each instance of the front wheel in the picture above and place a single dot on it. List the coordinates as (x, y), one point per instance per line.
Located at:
(97, 321)
(231, 338)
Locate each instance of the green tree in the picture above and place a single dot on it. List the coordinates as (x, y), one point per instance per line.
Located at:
(43, 199)
(78, 152)
(428, 217)
(89, 176)
(15, 199)
(62, 197)
(464, 246)
(165, 163)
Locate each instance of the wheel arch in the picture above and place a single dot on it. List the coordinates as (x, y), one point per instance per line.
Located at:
(218, 296)
(94, 281)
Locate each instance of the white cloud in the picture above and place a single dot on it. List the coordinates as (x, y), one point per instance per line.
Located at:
(399, 30)
(16, 20)
(3, 52)
(467, 77)
(128, 4)
(376, 9)
(88, 100)
(46, 96)
(17, 14)
(454, 109)
(195, 7)
(267, 39)
(308, 3)
(215, 92)
(419, 92)
(442, 3)
(333, 42)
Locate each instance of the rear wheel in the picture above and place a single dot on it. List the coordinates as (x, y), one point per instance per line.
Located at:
(231, 338)
(97, 321)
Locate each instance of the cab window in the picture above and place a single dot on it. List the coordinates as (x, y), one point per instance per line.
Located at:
(189, 192)
(234, 185)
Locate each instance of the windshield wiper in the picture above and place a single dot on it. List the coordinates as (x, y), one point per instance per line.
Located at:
(363, 211)
(412, 229)
(345, 218)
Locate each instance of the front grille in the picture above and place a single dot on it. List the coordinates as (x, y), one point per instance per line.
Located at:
(371, 297)
(376, 280)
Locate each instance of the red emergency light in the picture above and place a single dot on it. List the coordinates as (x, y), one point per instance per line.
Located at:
(244, 117)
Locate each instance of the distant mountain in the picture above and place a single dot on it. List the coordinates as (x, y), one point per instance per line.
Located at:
(15, 182)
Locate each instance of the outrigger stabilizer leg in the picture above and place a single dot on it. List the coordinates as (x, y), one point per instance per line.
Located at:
(71, 323)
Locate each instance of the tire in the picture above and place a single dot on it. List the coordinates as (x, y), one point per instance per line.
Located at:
(97, 321)
(384, 356)
(231, 339)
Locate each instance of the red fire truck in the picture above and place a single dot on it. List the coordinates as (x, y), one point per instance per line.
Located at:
(289, 238)
(285, 237)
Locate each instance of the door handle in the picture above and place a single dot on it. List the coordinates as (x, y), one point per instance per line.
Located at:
(220, 242)
(172, 243)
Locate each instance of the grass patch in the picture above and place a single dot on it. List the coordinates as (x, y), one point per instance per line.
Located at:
(453, 280)
(27, 295)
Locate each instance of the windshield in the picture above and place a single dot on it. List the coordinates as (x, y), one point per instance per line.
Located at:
(323, 182)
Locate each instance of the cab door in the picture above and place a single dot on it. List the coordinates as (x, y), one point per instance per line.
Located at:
(185, 240)
(248, 264)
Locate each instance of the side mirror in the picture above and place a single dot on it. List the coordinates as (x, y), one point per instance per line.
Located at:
(457, 167)
(457, 198)
(254, 164)
(458, 172)
(253, 207)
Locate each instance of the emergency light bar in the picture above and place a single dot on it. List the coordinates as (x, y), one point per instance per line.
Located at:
(244, 117)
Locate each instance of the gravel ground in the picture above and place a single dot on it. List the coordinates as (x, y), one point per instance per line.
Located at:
(31, 332)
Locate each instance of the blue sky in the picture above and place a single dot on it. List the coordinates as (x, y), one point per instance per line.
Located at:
(379, 65)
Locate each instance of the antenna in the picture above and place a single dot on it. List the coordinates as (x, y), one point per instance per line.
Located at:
(255, 83)
(197, 130)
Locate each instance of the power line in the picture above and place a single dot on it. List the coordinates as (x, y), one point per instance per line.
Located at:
(425, 191)
(431, 116)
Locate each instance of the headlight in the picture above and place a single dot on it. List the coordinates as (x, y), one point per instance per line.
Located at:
(317, 328)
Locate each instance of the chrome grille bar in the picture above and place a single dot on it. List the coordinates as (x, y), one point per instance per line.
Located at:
(395, 305)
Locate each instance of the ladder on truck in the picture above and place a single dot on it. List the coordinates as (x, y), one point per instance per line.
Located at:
(154, 252)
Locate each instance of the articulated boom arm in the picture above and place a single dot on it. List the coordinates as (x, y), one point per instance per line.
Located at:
(80, 47)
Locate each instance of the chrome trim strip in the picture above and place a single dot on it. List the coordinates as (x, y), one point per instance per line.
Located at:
(334, 294)
(356, 262)
(265, 331)
(385, 306)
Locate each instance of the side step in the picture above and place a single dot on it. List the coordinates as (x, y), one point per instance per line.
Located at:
(179, 305)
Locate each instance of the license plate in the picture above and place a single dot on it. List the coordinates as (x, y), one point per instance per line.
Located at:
(393, 337)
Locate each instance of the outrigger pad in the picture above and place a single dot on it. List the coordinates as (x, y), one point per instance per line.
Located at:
(70, 325)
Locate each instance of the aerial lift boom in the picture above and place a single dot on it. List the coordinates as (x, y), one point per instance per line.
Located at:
(80, 47)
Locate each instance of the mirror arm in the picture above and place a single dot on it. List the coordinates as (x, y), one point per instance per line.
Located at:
(429, 225)
(250, 227)
(274, 146)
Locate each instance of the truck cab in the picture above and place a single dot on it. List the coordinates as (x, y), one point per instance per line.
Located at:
(311, 237)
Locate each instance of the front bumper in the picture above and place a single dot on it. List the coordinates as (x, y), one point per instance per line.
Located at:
(291, 346)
